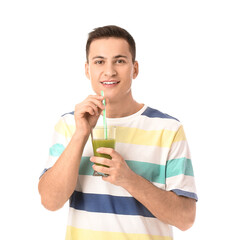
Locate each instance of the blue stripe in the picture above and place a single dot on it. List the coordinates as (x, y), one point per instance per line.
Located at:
(72, 113)
(153, 113)
(108, 204)
(185, 194)
(44, 171)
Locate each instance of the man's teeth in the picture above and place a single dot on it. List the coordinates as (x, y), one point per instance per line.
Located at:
(109, 83)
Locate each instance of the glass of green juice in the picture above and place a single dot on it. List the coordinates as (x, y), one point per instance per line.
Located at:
(103, 137)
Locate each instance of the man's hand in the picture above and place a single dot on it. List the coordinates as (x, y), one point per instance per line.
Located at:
(118, 171)
(87, 113)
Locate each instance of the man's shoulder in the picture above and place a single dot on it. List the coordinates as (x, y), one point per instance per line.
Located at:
(154, 113)
(66, 120)
(66, 124)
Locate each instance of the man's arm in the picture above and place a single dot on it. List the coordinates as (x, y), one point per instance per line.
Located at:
(59, 182)
(167, 206)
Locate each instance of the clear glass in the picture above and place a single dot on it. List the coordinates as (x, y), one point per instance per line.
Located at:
(102, 137)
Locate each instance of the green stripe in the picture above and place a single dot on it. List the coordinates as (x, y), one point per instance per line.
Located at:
(86, 166)
(179, 166)
(152, 172)
(56, 150)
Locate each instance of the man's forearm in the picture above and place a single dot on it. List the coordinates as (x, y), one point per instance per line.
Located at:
(58, 183)
(166, 206)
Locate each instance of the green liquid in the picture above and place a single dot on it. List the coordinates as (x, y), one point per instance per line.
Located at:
(97, 143)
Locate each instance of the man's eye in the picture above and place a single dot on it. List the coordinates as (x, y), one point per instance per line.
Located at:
(99, 62)
(120, 61)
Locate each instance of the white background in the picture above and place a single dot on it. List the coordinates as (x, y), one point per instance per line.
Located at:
(185, 52)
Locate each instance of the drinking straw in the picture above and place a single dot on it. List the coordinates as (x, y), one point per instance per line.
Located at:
(104, 118)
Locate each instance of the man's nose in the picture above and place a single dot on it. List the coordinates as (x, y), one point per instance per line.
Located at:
(109, 70)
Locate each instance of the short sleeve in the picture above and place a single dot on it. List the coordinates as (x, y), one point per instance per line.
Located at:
(58, 144)
(179, 168)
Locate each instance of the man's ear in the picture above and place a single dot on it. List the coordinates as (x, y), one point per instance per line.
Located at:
(135, 69)
(87, 71)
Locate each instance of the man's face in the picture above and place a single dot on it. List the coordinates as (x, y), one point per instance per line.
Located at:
(110, 67)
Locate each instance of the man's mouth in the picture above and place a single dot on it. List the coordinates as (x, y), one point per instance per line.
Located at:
(110, 83)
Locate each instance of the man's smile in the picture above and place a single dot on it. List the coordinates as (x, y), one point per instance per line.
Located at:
(110, 83)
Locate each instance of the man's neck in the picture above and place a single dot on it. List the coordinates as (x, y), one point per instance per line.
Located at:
(124, 108)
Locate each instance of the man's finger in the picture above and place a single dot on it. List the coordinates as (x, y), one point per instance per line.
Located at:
(101, 169)
(100, 160)
(109, 151)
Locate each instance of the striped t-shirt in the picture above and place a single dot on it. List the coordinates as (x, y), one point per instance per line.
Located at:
(154, 146)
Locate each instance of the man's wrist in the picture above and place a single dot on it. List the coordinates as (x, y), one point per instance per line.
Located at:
(80, 135)
(129, 183)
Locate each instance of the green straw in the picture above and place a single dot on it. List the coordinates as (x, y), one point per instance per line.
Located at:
(104, 118)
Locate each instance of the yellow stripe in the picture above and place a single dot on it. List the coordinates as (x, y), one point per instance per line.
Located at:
(83, 234)
(66, 130)
(180, 135)
(160, 138)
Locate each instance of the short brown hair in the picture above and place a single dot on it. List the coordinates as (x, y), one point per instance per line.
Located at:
(111, 31)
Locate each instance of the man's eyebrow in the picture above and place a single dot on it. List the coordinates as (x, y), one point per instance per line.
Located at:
(98, 57)
(120, 56)
(117, 56)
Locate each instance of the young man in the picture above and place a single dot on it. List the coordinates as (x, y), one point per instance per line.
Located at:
(150, 184)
